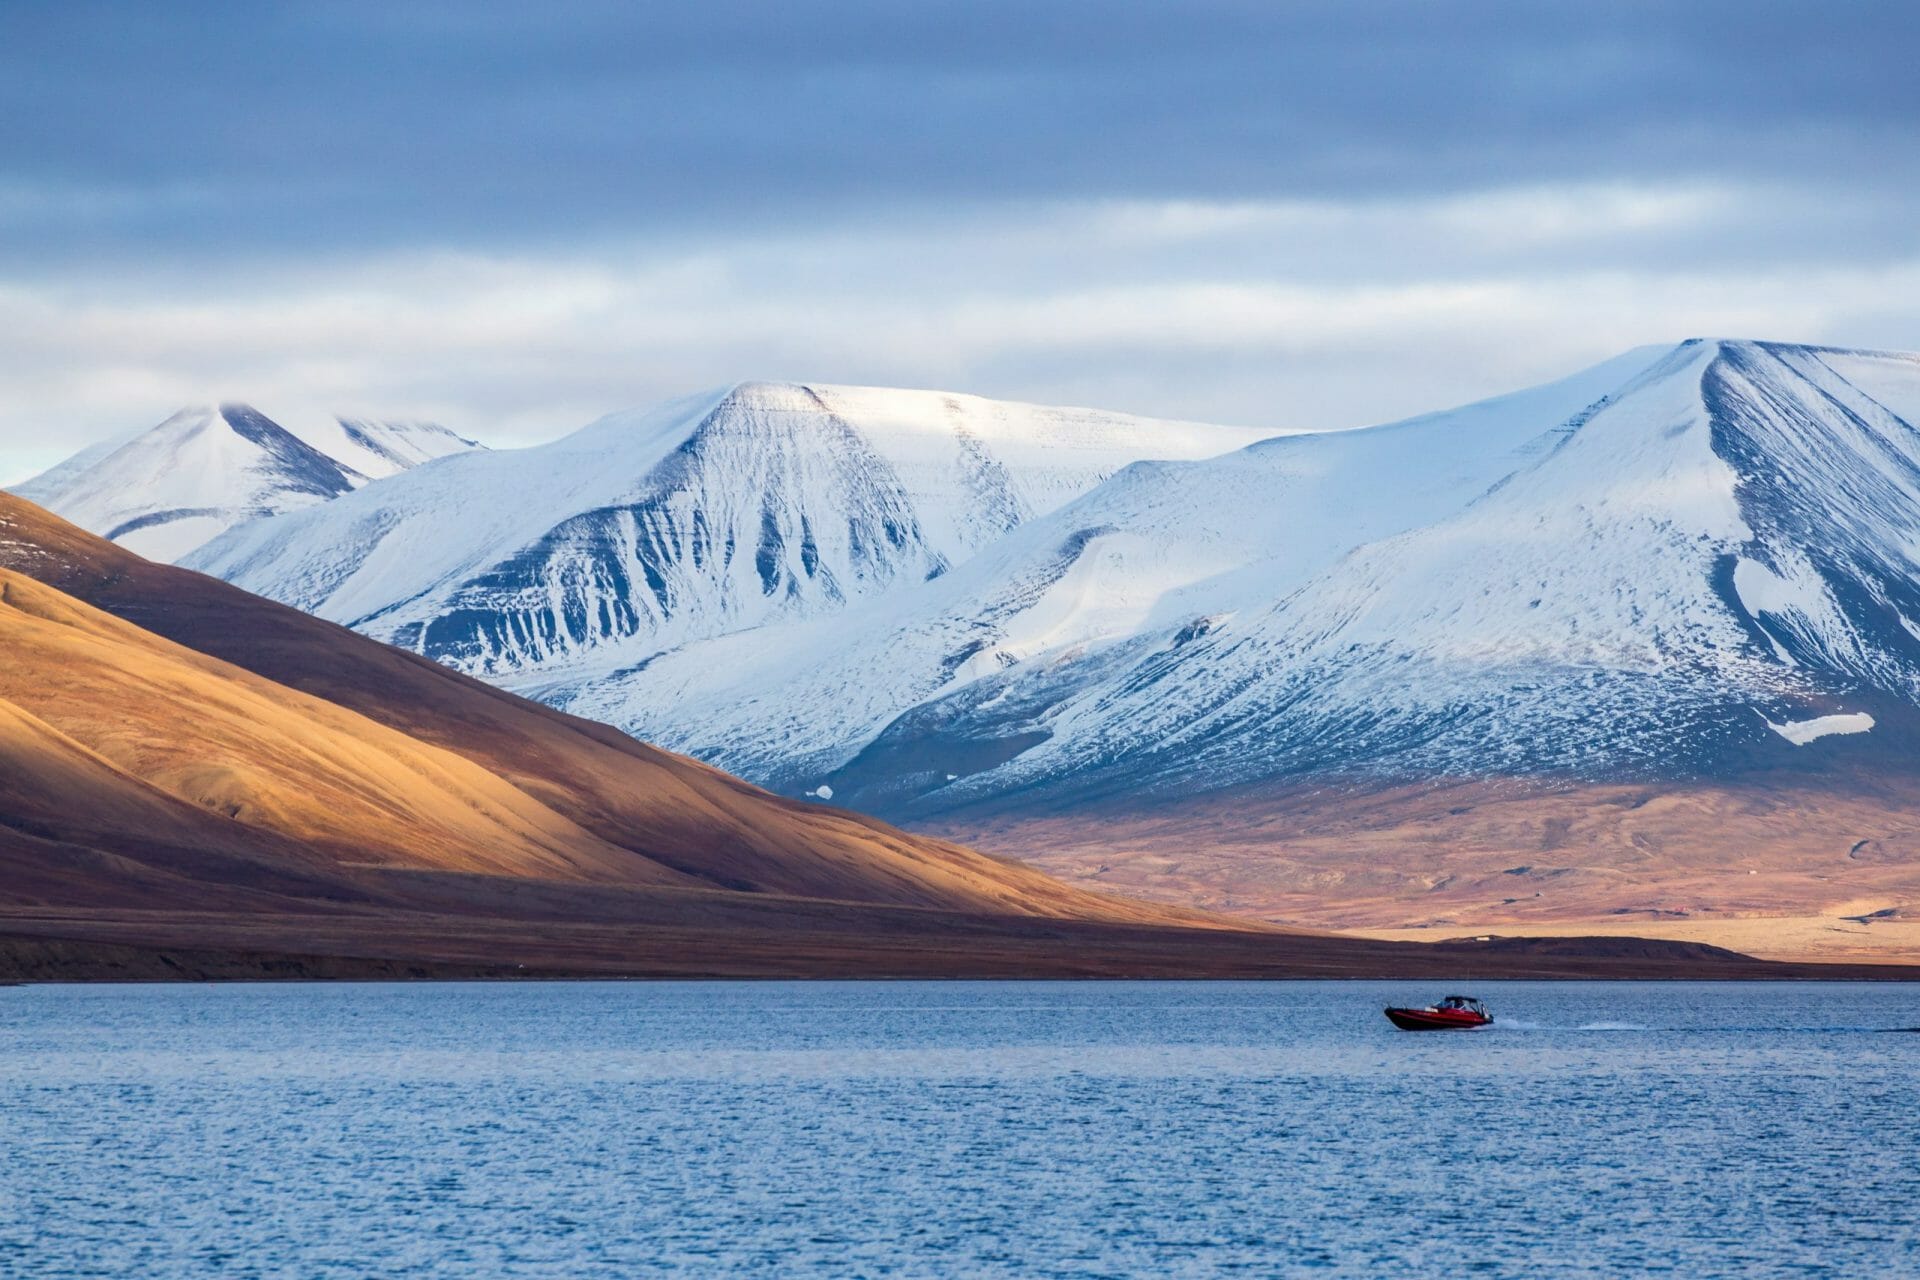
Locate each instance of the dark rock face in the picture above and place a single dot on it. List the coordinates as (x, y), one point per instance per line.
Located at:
(1827, 473)
(757, 514)
(295, 465)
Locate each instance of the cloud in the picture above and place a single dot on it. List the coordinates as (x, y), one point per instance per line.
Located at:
(515, 217)
(1277, 313)
(223, 128)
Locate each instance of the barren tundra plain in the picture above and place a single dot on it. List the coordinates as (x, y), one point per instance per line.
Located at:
(1782, 873)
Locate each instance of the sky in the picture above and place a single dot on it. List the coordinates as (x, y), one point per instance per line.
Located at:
(514, 218)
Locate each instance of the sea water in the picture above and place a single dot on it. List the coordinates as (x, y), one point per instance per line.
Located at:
(956, 1129)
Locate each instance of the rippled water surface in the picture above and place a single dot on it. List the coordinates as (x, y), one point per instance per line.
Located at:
(963, 1129)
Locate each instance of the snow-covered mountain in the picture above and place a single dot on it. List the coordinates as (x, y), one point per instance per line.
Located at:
(1685, 561)
(741, 510)
(208, 468)
(1154, 560)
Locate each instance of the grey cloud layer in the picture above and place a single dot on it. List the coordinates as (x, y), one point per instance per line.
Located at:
(514, 217)
(1280, 314)
(221, 127)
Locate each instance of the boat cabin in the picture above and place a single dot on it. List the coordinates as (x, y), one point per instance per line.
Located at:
(1463, 1002)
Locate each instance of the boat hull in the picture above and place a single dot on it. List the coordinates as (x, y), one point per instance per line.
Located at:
(1437, 1019)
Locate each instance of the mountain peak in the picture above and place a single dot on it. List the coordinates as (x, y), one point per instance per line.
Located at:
(209, 466)
(768, 396)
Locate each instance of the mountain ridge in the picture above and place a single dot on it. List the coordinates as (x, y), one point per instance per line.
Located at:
(1264, 557)
(709, 514)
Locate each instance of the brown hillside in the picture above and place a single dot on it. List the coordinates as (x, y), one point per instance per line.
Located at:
(360, 752)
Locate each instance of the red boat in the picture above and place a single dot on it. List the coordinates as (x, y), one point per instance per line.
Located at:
(1455, 1013)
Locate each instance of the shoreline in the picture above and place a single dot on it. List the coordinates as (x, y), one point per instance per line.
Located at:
(1786, 939)
(100, 951)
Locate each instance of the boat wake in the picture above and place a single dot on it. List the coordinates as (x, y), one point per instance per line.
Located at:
(1513, 1024)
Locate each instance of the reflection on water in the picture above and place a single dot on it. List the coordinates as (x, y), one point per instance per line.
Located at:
(910, 1129)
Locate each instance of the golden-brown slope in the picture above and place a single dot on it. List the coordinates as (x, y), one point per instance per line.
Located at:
(330, 780)
(588, 796)
(76, 830)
